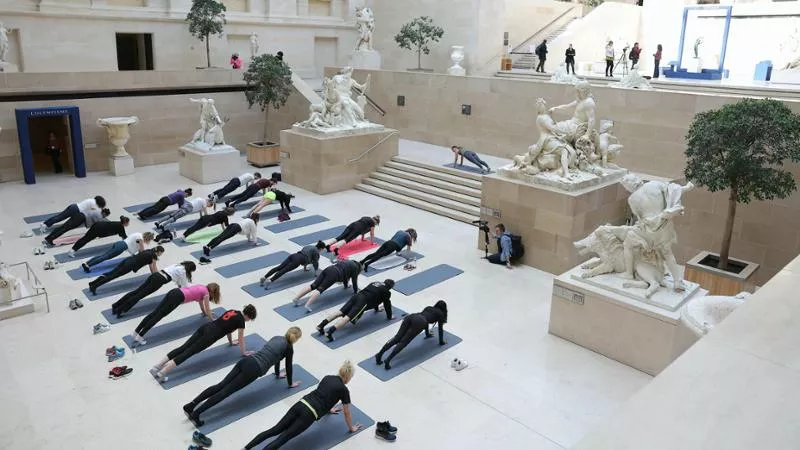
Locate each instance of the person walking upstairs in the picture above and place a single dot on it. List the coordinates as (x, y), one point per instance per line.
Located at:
(541, 53)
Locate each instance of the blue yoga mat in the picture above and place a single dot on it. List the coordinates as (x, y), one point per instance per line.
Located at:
(467, 167)
(256, 396)
(370, 322)
(210, 360)
(103, 267)
(371, 272)
(290, 280)
(39, 218)
(296, 223)
(237, 245)
(321, 235)
(327, 432)
(275, 212)
(134, 209)
(141, 309)
(118, 286)
(84, 253)
(333, 297)
(417, 352)
(251, 265)
(426, 278)
(170, 331)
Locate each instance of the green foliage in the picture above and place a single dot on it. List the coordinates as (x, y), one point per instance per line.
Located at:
(206, 18)
(417, 34)
(269, 83)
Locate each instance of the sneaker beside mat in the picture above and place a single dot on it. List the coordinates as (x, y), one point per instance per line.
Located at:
(119, 372)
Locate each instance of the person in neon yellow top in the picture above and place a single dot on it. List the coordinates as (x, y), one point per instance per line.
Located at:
(267, 199)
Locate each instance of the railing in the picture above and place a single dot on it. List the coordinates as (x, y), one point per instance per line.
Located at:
(370, 102)
(366, 152)
(37, 286)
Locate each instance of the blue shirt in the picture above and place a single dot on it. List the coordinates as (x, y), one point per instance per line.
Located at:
(504, 245)
(401, 238)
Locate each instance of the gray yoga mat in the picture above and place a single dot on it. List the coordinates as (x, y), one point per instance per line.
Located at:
(84, 253)
(389, 263)
(170, 331)
(39, 218)
(370, 322)
(467, 167)
(134, 209)
(290, 280)
(251, 265)
(141, 309)
(210, 360)
(334, 296)
(427, 278)
(321, 235)
(256, 396)
(235, 245)
(294, 224)
(103, 267)
(418, 351)
(327, 432)
(118, 286)
(275, 212)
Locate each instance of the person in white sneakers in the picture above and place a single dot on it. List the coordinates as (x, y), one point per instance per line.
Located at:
(133, 243)
(195, 205)
(247, 227)
(83, 207)
(245, 179)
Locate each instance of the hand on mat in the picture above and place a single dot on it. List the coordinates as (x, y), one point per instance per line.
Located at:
(336, 410)
(294, 385)
(356, 427)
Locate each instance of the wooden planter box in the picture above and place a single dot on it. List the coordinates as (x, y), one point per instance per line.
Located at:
(261, 155)
(702, 270)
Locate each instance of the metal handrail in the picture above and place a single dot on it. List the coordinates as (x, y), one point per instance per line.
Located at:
(362, 155)
(370, 101)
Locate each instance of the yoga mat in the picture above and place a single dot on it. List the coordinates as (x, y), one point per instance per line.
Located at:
(426, 278)
(251, 265)
(67, 240)
(354, 247)
(103, 267)
(418, 351)
(290, 280)
(170, 331)
(256, 396)
(327, 432)
(389, 262)
(84, 253)
(39, 218)
(296, 223)
(118, 286)
(275, 212)
(370, 322)
(210, 360)
(141, 309)
(321, 235)
(202, 236)
(134, 209)
(235, 245)
(334, 296)
(467, 167)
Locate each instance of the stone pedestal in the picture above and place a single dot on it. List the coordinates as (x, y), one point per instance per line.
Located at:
(8, 67)
(119, 166)
(221, 163)
(549, 219)
(365, 59)
(640, 335)
(317, 161)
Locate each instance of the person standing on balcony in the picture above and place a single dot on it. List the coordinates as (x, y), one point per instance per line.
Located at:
(634, 56)
(657, 58)
(570, 54)
(610, 59)
(541, 53)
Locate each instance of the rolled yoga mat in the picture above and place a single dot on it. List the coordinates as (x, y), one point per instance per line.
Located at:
(327, 432)
(417, 352)
(334, 296)
(370, 322)
(96, 271)
(235, 244)
(251, 265)
(84, 253)
(210, 360)
(256, 396)
(118, 286)
(321, 235)
(390, 262)
(141, 309)
(294, 278)
(427, 278)
(294, 224)
(164, 333)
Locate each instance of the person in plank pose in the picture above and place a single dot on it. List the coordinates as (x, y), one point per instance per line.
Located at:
(175, 198)
(471, 157)
(133, 243)
(180, 274)
(218, 218)
(204, 337)
(342, 272)
(259, 185)
(195, 205)
(312, 407)
(103, 228)
(371, 297)
(412, 325)
(245, 179)
(394, 245)
(358, 228)
(202, 294)
(246, 371)
(130, 264)
(87, 219)
(83, 206)
(308, 255)
(247, 227)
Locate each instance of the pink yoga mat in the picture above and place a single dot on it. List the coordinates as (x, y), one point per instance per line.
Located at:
(65, 240)
(355, 246)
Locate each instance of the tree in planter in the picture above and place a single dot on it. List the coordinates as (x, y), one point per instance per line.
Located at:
(269, 83)
(742, 147)
(416, 35)
(206, 18)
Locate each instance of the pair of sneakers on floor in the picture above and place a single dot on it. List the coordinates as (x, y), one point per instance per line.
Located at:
(201, 441)
(458, 364)
(385, 431)
(119, 372)
(75, 304)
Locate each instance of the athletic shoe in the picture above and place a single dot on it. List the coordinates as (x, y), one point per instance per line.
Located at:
(101, 328)
(111, 350)
(389, 426)
(206, 250)
(460, 365)
(77, 303)
(26, 234)
(154, 372)
(384, 434)
(43, 228)
(119, 353)
(204, 260)
(378, 360)
(71, 253)
(86, 268)
(386, 365)
(201, 439)
(197, 447)
(329, 335)
(72, 305)
(261, 281)
(119, 372)
(453, 363)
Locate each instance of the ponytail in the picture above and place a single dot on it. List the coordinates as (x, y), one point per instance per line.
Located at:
(189, 267)
(213, 293)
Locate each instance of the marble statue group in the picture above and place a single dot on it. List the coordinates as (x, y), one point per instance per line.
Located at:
(338, 109)
(3, 42)
(210, 132)
(365, 23)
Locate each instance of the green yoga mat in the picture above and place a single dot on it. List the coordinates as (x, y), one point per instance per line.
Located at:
(204, 236)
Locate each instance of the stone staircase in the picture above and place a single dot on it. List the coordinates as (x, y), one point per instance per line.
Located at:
(529, 61)
(441, 190)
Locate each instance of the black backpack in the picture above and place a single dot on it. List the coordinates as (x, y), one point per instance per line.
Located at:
(517, 249)
(164, 237)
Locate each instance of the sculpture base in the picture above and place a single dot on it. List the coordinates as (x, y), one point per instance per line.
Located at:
(365, 59)
(360, 128)
(456, 71)
(577, 179)
(8, 67)
(634, 333)
(120, 165)
(17, 308)
(206, 167)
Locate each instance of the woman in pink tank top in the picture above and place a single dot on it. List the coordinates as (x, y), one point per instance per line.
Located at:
(203, 294)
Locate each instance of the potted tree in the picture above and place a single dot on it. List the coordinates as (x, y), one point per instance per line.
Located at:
(416, 35)
(206, 17)
(741, 148)
(269, 83)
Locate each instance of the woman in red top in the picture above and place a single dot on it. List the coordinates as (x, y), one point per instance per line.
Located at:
(236, 62)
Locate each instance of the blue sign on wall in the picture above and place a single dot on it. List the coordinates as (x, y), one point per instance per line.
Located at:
(76, 137)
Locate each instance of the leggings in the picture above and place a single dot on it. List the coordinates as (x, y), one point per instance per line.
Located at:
(656, 68)
(243, 373)
(351, 232)
(227, 189)
(123, 268)
(62, 216)
(609, 67)
(172, 300)
(175, 215)
(475, 159)
(229, 232)
(86, 238)
(199, 341)
(412, 325)
(289, 264)
(155, 208)
(201, 223)
(295, 421)
(386, 249)
(326, 279)
(246, 194)
(73, 222)
(150, 285)
(116, 249)
(571, 64)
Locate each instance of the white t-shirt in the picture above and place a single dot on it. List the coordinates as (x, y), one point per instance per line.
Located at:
(92, 216)
(609, 51)
(132, 241)
(245, 179)
(87, 205)
(249, 229)
(178, 274)
(197, 204)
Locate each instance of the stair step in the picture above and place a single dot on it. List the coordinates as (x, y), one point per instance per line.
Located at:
(425, 197)
(424, 188)
(455, 174)
(423, 205)
(423, 179)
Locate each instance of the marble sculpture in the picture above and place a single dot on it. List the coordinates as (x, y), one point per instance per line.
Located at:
(11, 287)
(702, 314)
(210, 132)
(561, 76)
(365, 22)
(633, 80)
(253, 45)
(3, 42)
(338, 110)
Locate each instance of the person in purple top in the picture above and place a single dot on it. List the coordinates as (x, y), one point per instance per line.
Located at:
(175, 198)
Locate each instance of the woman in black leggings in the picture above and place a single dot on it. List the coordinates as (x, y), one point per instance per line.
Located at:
(102, 229)
(218, 218)
(259, 185)
(358, 228)
(247, 227)
(181, 274)
(76, 220)
(308, 255)
(203, 295)
(414, 324)
(128, 265)
(395, 244)
(177, 197)
(314, 406)
(246, 371)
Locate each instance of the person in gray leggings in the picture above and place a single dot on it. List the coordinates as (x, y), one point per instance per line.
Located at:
(471, 157)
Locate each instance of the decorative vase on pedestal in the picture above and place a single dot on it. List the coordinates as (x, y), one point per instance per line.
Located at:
(118, 128)
(456, 56)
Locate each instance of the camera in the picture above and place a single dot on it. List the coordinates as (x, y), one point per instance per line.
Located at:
(482, 225)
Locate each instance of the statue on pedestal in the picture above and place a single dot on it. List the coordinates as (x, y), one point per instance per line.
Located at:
(338, 109)
(365, 23)
(210, 132)
(562, 76)
(3, 42)
(253, 45)
(633, 80)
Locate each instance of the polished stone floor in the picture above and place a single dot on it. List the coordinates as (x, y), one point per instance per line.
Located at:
(524, 389)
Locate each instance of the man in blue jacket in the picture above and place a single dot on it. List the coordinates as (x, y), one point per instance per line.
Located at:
(503, 246)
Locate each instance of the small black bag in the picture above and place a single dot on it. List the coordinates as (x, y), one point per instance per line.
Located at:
(517, 249)
(164, 237)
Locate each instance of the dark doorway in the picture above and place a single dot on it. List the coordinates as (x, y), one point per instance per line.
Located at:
(134, 51)
(45, 159)
(34, 138)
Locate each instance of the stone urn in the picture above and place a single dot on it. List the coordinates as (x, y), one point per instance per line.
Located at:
(118, 132)
(456, 56)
